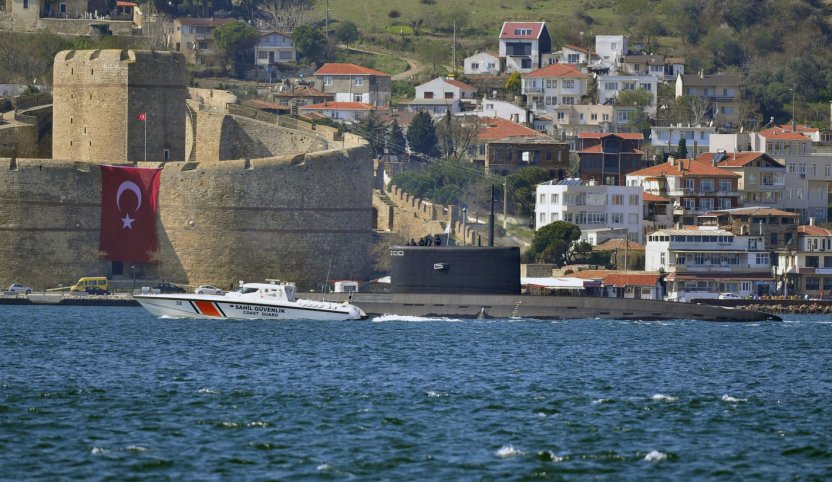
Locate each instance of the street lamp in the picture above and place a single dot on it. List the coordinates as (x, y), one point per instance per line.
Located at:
(464, 219)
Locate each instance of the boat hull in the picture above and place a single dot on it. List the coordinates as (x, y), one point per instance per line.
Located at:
(220, 307)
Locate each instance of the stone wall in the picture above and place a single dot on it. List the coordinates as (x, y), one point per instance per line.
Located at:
(81, 26)
(96, 115)
(299, 218)
(27, 134)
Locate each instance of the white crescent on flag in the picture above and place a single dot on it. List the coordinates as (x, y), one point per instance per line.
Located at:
(128, 186)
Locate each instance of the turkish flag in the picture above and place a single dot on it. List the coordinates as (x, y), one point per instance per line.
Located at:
(129, 200)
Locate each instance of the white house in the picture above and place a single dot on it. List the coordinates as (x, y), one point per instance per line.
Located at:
(435, 106)
(482, 63)
(568, 54)
(504, 110)
(274, 48)
(807, 270)
(554, 85)
(522, 45)
(697, 138)
(610, 49)
(705, 262)
(609, 86)
(589, 206)
(447, 89)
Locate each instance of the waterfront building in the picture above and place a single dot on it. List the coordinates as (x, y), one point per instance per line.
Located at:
(638, 285)
(591, 207)
(703, 262)
(522, 45)
(777, 227)
(805, 268)
(694, 186)
(607, 158)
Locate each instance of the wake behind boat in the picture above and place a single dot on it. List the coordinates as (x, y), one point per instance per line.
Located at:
(251, 301)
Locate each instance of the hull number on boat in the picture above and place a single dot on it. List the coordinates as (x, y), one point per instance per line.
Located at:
(396, 253)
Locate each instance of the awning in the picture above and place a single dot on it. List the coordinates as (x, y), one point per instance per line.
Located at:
(563, 283)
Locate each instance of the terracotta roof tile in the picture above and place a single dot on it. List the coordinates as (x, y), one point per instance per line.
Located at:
(754, 211)
(348, 69)
(631, 279)
(576, 48)
(557, 70)
(461, 85)
(338, 106)
(507, 32)
(599, 135)
(649, 196)
(782, 134)
(497, 128)
(814, 231)
(684, 167)
(733, 159)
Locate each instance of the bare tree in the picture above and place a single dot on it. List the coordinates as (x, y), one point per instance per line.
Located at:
(286, 15)
(457, 134)
(154, 35)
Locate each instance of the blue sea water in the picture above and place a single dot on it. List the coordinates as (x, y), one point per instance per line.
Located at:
(116, 394)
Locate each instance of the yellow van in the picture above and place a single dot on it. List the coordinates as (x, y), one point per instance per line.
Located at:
(96, 285)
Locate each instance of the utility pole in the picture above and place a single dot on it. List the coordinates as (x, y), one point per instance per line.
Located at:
(454, 49)
(505, 202)
(326, 23)
(491, 219)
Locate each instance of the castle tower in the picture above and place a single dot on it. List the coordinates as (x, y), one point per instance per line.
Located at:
(98, 96)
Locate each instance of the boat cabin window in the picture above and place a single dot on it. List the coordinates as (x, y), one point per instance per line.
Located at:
(245, 290)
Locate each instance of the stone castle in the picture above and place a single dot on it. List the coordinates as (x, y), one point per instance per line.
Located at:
(244, 195)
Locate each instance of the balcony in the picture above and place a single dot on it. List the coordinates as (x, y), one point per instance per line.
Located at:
(532, 90)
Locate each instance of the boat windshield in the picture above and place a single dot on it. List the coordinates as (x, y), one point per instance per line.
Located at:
(245, 290)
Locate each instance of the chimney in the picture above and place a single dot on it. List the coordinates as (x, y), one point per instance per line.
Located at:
(811, 221)
(672, 161)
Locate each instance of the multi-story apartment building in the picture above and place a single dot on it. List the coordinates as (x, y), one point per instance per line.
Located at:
(720, 95)
(554, 85)
(607, 158)
(665, 68)
(806, 267)
(522, 45)
(354, 83)
(777, 227)
(609, 86)
(274, 48)
(611, 49)
(704, 262)
(589, 206)
(665, 139)
(695, 187)
(194, 37)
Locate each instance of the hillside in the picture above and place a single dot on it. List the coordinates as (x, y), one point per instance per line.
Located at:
(777, 45)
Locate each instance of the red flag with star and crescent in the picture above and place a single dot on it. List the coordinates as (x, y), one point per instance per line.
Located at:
(129, 201)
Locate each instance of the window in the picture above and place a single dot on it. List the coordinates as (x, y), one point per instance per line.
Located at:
(606, 117)
(827, 262)
(812, 283)
(680, 258)
(689, 183)
(706, 185)
(548, 84)
(166, 154)
(594, 117)
(475, 66)
(611, 85)
(542, 219)
(573, 58)
(617, 218)
(359, 81)
(555, 199)
(357, 98)
(614, 46)
(262, 55)
(689, 203)
(647, 87)
(569, 84)
(560, 115)
(327, 80)
(618, 199)
(428, 95)
(724, 185)
(662, 259)
(763, 258)
(724, 203)
(812, 261)
(542, 199)
(706, 204)
(449, 95)
(25, 3)
(633, 199)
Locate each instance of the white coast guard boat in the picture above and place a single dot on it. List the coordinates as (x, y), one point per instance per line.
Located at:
(250, 301)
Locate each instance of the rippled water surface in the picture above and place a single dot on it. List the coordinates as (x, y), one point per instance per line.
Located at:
(114, 393)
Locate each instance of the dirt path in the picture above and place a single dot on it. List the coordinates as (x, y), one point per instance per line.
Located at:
(413, 66)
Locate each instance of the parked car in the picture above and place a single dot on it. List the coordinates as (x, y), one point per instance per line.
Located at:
(209, 290)
(95, 290)
(729, 296)
(169, 288)
(18, 288)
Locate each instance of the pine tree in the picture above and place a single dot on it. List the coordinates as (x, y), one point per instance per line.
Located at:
(682, 149)
(395, 139)
(421, 136)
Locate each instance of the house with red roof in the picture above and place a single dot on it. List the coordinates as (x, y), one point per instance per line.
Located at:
(554, 85)
(806, 268)
(446, 88)
(695, 186)
(607, 158)
(522, 45)
(354, 83)
(514, 146)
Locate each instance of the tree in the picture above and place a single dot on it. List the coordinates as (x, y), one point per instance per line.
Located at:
(457, 134)
(433, 52)
(236, 39)
(421, 136)
(639, 122)
(346, 32)
(285, 15)
(309, 42)
(372, 129)
(553, 243)
(639, 97)
(514, 84)
(682, 149)
(395, 142)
